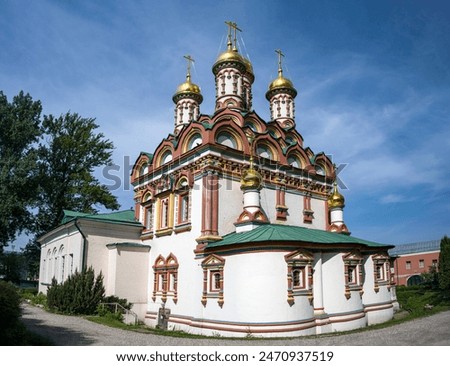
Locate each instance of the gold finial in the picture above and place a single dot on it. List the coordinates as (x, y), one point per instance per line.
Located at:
(280, 69)
(232, 25)
(190, 61)
(336, 199)
(251, 179)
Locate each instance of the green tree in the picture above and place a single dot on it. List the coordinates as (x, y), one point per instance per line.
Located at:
(12, 265)
(72, 151)
(19, 133)
(444, 264)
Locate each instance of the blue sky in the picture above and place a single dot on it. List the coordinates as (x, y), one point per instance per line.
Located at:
(372, 77)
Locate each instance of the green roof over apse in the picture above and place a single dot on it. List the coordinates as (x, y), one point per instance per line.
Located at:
(125, 217)
(287, 233)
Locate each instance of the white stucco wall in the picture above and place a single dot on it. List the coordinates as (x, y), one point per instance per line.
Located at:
(378, 304)
(68, 238)
(130, 275)
(230, 205)
(337, 306)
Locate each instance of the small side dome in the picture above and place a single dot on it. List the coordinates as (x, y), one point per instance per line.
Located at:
(188, 88)
(279, 84)
(251, 179)
(336, 199)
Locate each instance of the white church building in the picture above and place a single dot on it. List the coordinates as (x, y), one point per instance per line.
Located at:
(238, 228)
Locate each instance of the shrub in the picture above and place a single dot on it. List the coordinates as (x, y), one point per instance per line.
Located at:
(444, 264)
(10, 327)
(9, 305)
(79, 294)
(114, 299)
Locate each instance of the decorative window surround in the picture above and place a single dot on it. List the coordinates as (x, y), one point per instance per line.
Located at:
(299, 275)
(281, 207)
(353, 273)
(381, 271)
(308, 213)
(165, 215)
(165, 282)
(213, 266)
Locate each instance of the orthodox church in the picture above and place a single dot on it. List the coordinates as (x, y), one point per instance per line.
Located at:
(238, 228)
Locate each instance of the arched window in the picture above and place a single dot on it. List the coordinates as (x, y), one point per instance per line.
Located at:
(294, 161)
(290, 140)
(194, 141)
(227, 139)
(320, 170)
(183, 202)
(55, 264)
(147, 214)
(62, 264)
(264, 151)
(144, 169)
(166, 157)
(48, 273)
(251, 125)
(165, 282)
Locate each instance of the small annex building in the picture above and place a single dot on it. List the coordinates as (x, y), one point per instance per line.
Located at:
(238, 227)
(109, 243)
(413, 259)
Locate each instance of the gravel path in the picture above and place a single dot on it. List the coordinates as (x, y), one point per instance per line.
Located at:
(76, 331)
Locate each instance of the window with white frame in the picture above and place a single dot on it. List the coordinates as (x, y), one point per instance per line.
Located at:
(381, 270)
(213, 279)
(165, 281)
(353, 273)
(164, 212)
(299, 275)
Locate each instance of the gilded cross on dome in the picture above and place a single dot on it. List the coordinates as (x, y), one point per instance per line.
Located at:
(232, 25)
(190, 61)
(280, 54)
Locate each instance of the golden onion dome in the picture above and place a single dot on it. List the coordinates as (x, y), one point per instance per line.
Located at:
(251, 179)
(281, 83)
(187, 87)
(230, 55)
(336, 199)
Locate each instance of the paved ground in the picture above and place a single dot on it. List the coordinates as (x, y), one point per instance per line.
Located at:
(76, 331)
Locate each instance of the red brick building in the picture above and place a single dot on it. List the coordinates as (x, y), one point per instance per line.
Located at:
(411, 260)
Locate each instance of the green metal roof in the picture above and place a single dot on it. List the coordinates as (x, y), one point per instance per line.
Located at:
(118, 217)
(287, 233)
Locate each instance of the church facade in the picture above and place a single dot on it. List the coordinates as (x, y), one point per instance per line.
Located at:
(242, 225)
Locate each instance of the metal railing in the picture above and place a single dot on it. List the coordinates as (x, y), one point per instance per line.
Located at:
(119, 308)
